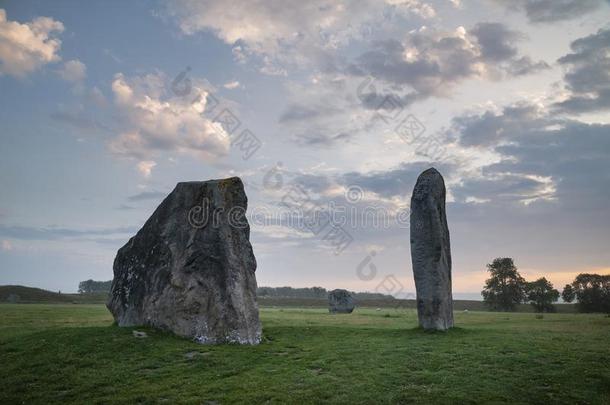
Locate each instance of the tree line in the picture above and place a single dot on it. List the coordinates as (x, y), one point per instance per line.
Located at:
(506, 288)
(92, 286)
(311, 292)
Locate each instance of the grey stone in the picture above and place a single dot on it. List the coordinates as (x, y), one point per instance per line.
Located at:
(431, 252)
(340, 302)
(190, 269)
(139, 334)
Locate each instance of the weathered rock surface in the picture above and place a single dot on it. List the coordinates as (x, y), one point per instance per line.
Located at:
(190, 269)
(431, 252)
(340, 302)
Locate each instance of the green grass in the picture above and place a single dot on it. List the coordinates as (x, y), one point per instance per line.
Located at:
(72, 354)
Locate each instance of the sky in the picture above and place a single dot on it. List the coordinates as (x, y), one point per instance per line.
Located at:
(106, 105)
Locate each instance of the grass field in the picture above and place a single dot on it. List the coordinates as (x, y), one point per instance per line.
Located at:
(72, 354)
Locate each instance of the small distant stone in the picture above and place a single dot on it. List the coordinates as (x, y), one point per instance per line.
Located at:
(340, 302)
(139, 334)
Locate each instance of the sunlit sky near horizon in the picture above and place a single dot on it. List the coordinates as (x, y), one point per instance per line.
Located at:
(105, 106)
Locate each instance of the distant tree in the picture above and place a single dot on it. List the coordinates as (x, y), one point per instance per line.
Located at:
(289, 292)
(505, 288)
(372, 296)
(92, 286)
(318, 292)
(541, 295)
(84, 286)
(592, 292)
(568, 294)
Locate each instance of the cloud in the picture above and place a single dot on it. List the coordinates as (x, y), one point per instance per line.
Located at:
(339, 106)
(323, 113)
(419, 8)
(427, 62)
(298, 112)
(397, 182)
(159, 121)
(431, 62)
(587, 74)
(542, 157)
(505, 187)
(525, 66)
(549, 11)
(147, 195)
(291, 33)
(73, 71)
(145, 167)
(231, 85)
(25, 48)
(491, 128)
(496, 41)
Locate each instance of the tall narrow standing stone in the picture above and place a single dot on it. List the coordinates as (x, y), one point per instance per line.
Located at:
(430, 252)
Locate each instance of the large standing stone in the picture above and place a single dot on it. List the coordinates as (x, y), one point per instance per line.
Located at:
(190, 269)
(430, 252)
(340, 302)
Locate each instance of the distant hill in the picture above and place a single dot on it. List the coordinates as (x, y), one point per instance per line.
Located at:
(19, 294)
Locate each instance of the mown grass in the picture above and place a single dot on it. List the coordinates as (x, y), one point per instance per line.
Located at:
(73, 354)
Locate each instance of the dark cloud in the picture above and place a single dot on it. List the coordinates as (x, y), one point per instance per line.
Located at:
(397, 182)
(296, 112)
(575, 156)
(386, 100)
(542, 158)
(497, 45)
(580, 104)
(321, 138)
(313, 182)
(548, 11)
(496, 41)
(587, 74)
(491, 128)
(525, 66)
(431, 62)
(440, 61)
(502, 187)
